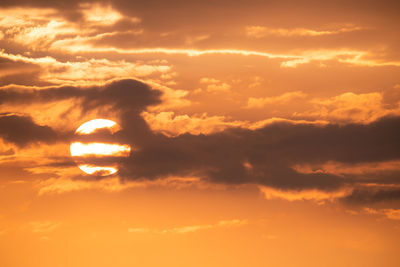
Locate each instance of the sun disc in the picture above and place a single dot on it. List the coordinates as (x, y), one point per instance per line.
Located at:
(93, 125)
(88, 154)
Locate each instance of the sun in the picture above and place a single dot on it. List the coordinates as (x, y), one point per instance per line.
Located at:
(95, 147)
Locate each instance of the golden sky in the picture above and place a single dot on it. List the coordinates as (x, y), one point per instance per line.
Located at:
(236, 133)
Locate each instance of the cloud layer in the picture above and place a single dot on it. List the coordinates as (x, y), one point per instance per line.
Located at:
(265, 156)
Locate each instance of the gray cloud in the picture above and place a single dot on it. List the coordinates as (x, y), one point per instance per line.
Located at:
(269, 152)
(372, 195)
(22, 130)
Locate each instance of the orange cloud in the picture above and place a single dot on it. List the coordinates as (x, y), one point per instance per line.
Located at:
(281, 99)
(261, 31)
(41, 29)
(40, 227)
(171, 98)
(291, 60)
(85, 72)
(296, 195)
(100, 14)
(191, 228)
(20, 16)
(214, 85)
(392, 214)
(173, 125)
(66, 184)
(349, 107)
(170, 124)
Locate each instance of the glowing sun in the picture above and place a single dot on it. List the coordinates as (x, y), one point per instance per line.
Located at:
(95, 147)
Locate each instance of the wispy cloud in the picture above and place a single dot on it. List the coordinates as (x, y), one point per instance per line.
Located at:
(42, 227)
(191, 228)
(318, 196)
(86, 71)
(254, 102)
(172, 124)
(349, 107)
(68, 184)
(262, 31)
(392, 214)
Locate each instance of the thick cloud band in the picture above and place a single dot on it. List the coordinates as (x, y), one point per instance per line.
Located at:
(263, 156)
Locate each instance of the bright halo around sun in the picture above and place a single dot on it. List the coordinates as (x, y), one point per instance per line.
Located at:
(95, 147)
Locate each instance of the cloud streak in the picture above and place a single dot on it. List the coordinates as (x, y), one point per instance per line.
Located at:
(261, 31)
(190, 228)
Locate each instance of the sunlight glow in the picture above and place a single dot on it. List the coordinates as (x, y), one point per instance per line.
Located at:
(93, 125)
(99, 149)
(102, 171)
(87, 153)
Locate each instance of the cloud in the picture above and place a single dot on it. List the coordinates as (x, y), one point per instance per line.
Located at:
(40, 227)
(69, 182)
(315, 195)
(263, 155)
(351, 107)
(281, 99)
(122, 95)
(262, 31)
(100, 14)
(60, 35)
(64, 185)
(373, 194)
(190, 40)
(82, 28)
(127, 96)
(8, 152)
(288, 60)
(22, 130)
(338, 168)
(85, 71)
(47, 28)
(392, 214)
(172, 125)
(214, 85)
(271, 152)
(190, 228)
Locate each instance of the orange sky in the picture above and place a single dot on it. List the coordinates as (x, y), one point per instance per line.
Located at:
(260, 133)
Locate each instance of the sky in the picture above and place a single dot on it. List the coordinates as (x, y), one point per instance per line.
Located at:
(243, 133)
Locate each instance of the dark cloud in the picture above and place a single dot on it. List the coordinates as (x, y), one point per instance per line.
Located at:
(235, 156)
(22, 130)
(372, 195)
(18, 72)
(270, 151)
(124, 94)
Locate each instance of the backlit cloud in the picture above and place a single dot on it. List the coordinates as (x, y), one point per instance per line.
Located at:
(278, 152)
(314, 195)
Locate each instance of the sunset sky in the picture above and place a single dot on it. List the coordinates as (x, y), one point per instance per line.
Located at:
(237, 133)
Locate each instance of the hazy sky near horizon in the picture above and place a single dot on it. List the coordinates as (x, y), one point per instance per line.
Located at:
(262, 133)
